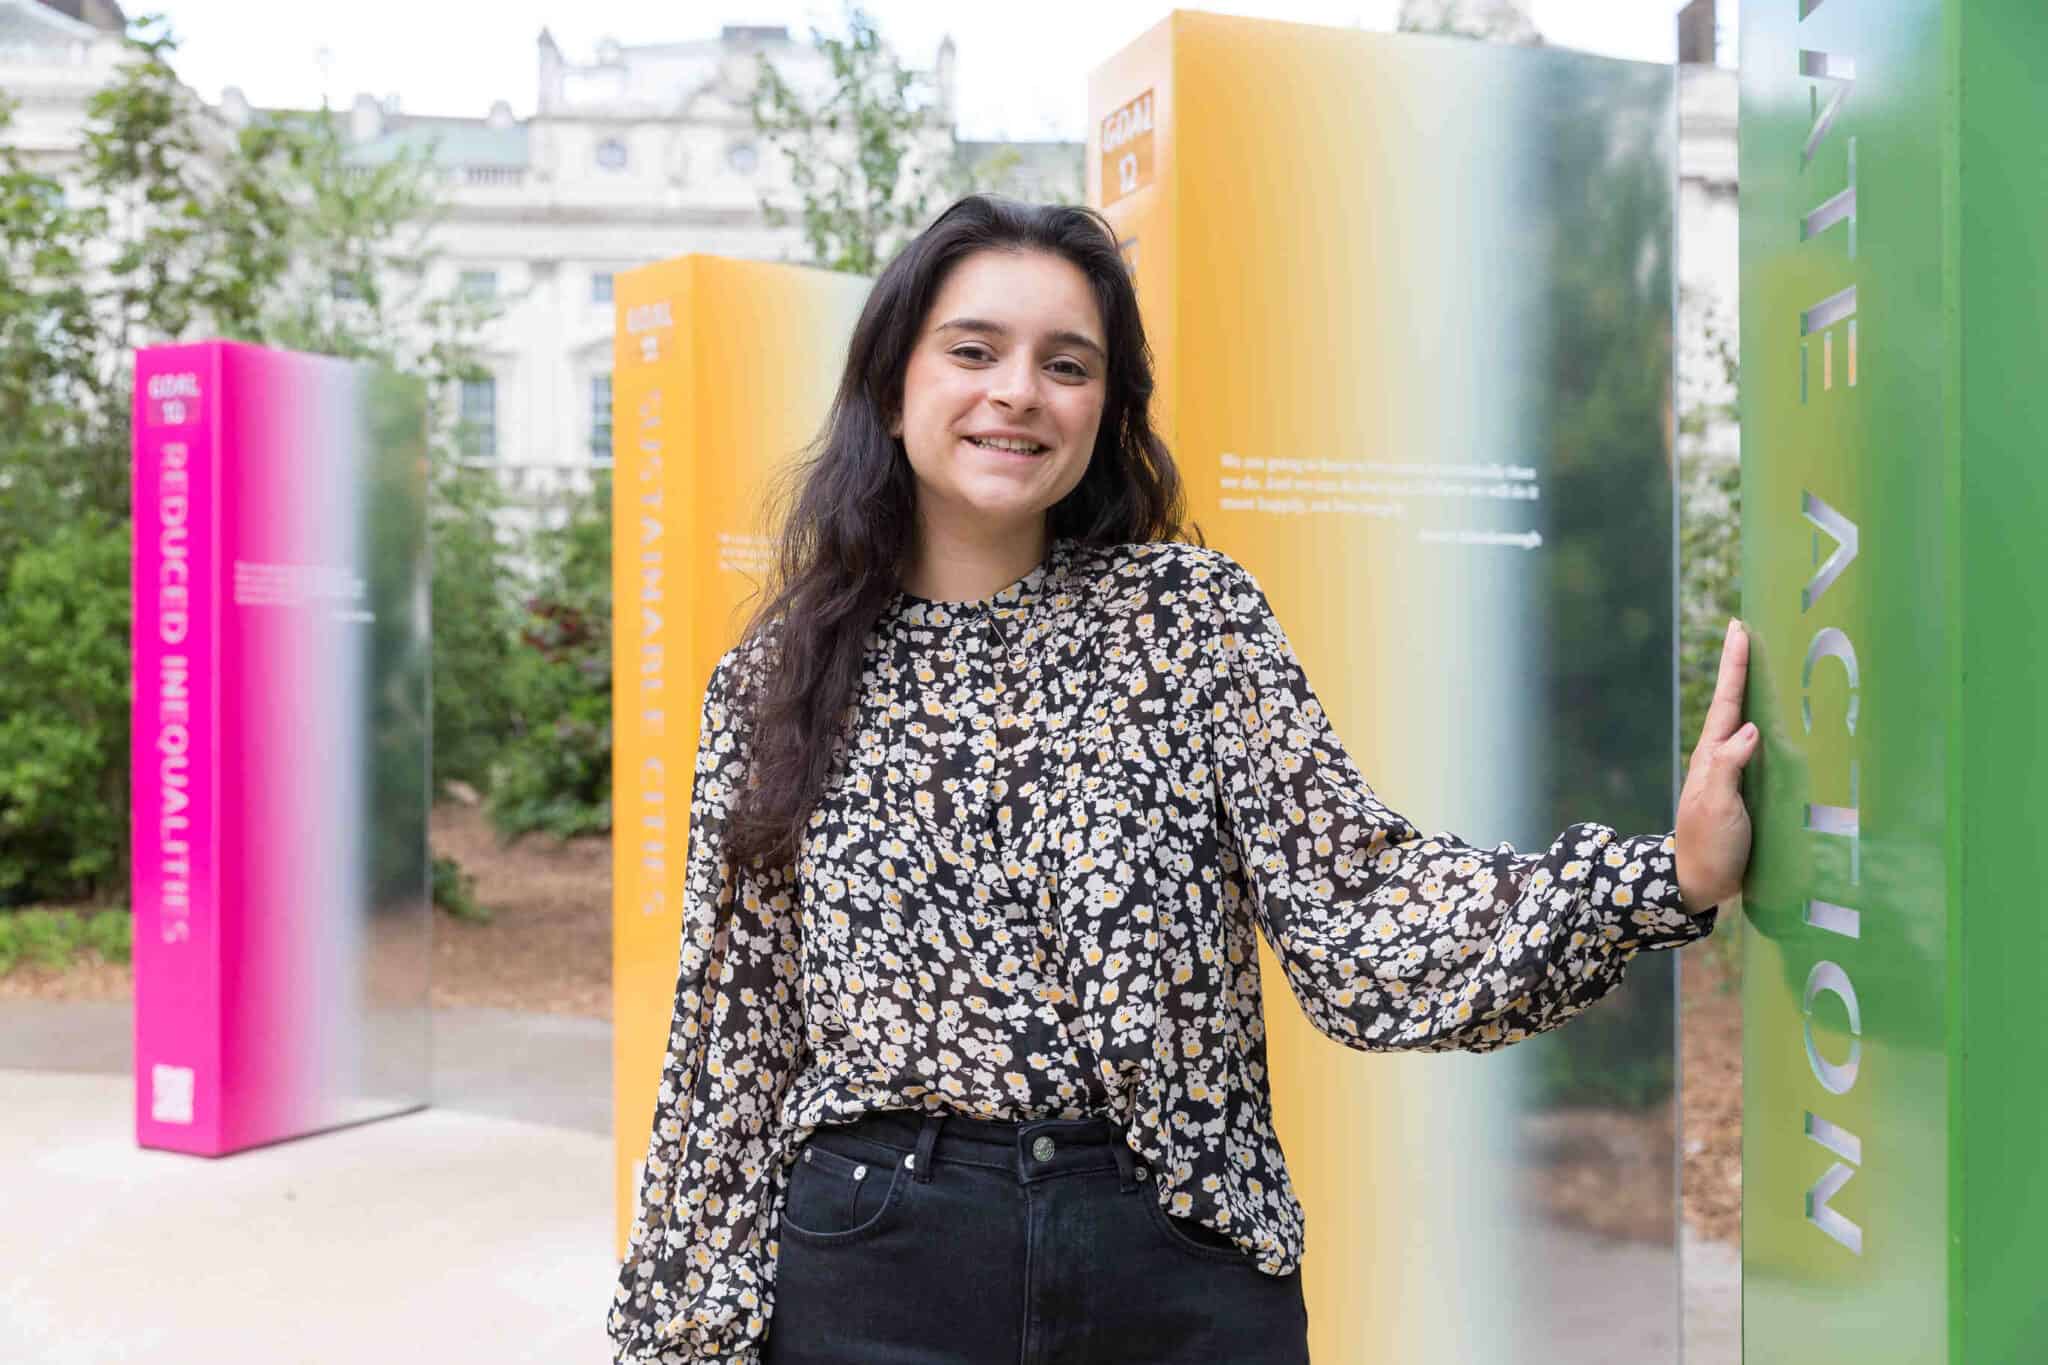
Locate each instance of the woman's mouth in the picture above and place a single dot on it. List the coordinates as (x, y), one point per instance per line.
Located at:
(1007, 446)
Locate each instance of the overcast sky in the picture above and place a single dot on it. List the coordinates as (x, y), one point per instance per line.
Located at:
(1022, 68)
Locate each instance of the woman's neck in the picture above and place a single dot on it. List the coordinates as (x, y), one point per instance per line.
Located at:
(949, 565)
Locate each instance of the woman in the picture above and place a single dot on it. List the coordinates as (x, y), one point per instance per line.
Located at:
(991, 802)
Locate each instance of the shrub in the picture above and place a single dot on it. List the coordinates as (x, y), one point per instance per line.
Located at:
(455, 892)
(64, 715)
(475, 627)
(554, 773)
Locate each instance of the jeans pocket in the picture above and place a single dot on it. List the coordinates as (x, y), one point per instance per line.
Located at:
(1188, 1235)
(834, 1198)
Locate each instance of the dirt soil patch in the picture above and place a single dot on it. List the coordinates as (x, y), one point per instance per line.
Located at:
(549, 946)
(89, 978)
(1711, 1048)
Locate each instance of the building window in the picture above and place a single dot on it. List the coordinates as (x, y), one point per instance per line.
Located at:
(479, 434)
(478, 284)
(600, 417)
(611, 154)
(742, 157)
(601, 287)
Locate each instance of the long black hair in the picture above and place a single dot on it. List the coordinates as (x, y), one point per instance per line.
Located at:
(852, 519)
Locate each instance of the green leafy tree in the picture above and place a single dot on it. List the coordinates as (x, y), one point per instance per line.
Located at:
(62, 447)
(871, 157)
(864, 183)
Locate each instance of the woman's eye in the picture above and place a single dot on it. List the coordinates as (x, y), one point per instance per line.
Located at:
(973, 353)
(1071, 369)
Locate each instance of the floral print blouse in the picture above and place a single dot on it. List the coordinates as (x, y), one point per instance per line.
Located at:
(1057, 819)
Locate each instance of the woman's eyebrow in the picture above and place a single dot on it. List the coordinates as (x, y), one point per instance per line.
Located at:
(997, 329)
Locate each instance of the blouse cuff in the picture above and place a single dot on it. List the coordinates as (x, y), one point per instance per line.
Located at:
(1635, 889)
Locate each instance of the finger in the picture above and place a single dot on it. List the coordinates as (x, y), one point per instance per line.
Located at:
(1704, 762)
(1724, 713)
(1696, 769)
(1699, 768)
(1732, 755)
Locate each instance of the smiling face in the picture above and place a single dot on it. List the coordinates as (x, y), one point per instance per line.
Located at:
(1003, 394)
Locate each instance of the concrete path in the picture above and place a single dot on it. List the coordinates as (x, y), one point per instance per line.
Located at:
(436, 1236)
(539, 1068)
(1712, 1280)
(476, 1232)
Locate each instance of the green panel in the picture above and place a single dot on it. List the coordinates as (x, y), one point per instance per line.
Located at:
(2001, 225)
(1877, 453)
(1933, 455)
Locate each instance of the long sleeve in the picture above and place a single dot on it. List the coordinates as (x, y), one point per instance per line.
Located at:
(697, 1282)
(1391, 939)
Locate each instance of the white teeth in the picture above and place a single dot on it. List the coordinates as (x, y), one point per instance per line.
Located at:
(1003, 443)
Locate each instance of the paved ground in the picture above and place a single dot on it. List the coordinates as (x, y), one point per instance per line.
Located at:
(1713, 1302)
(554, 1069)
(439, 1236)
(477, 1232)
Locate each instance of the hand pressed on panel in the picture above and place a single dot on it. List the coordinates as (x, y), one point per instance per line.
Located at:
(1713, 824)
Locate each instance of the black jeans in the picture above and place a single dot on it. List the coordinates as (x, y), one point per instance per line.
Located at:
(928, 1239)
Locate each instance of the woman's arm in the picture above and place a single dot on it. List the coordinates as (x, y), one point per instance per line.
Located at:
(697, 1283)
(1391, 939)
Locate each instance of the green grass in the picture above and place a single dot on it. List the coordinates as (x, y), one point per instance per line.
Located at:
(59, 937)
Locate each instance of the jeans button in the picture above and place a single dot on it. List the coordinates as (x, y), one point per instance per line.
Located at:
(1042, 1148)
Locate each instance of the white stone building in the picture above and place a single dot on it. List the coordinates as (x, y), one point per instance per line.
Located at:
(639, 155)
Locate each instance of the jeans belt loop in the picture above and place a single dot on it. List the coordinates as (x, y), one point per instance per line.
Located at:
(927, 1139)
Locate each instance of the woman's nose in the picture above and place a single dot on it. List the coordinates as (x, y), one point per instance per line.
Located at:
(1014, 387)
